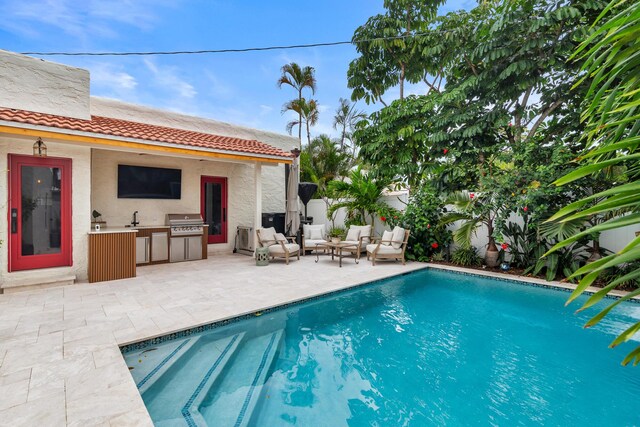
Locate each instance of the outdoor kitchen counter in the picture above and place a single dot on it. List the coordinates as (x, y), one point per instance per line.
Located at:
(112, 254)
(106, 230)
(127, 229)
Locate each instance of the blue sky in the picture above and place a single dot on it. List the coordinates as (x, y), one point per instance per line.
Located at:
(233, 87)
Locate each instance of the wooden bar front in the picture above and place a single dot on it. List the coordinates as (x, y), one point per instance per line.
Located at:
(112, 256)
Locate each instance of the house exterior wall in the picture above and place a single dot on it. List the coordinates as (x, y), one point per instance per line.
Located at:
(81, 201)
(273, 193)
(119, 212)
(42, 86)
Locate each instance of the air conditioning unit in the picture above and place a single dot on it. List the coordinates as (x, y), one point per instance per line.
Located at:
(244, 240)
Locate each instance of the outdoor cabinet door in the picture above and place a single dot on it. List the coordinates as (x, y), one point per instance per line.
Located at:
(194, 245)
(159, 246)
(142, 250)
(178, 247)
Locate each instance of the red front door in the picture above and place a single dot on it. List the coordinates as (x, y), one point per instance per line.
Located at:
(213, 207)
(39, 212)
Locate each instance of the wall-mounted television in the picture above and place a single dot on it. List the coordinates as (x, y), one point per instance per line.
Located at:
(142, 182)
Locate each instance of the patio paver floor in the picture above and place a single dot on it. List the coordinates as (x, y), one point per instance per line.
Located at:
(59, 358)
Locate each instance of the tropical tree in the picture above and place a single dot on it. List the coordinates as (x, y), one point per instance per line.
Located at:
(346, 119)
(298, 78)
(613, 119)
(507, 81)
(387, 47)
(360, 195)
(473, 210)
(308, 114)
(323, 161)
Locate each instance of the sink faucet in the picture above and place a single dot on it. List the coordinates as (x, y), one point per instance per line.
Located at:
(135, 219)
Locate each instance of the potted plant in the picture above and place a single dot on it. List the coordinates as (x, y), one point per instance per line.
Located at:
(473, 210)
(336, 233)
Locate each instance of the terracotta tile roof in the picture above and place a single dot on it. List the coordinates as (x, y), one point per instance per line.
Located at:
(123, 128)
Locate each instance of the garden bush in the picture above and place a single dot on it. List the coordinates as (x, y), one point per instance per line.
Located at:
(422, 217)
(466, 257)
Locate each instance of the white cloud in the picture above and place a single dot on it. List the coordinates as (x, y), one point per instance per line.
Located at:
(168, 79)
(109, 75)
(265, 109)
(219, 88)
(82, 19)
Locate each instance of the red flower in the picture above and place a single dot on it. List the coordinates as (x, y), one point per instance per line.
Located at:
(383, 218)
(472, 195)
(428, 225)
(510, 124)
(446, 150)
(434, 245)
(505, 246)
(525, 209)
(395, 217)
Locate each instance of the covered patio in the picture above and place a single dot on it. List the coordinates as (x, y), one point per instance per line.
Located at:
(60, 362)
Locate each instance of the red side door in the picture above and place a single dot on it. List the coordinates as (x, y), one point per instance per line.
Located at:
(213, 207)
(39, 212)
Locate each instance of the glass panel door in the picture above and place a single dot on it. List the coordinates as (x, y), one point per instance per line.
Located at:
(214, 207)
(40, 213)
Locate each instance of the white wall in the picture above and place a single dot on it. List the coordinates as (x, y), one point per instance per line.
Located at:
(34, 85)
(614, 240)
(119, 212)
(81, 220)
(273, 184)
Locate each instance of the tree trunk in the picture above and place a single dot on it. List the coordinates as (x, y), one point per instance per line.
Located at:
(595, 250)
(300, 117)
(402, 80)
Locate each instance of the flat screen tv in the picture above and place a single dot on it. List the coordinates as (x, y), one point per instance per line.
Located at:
(142, 182)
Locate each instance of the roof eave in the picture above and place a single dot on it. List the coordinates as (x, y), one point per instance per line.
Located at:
(74, 136)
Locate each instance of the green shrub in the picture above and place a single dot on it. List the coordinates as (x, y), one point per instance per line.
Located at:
(467, 257)
(422, 217)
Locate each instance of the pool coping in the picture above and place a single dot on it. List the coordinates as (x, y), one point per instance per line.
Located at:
(520, 280)
(184, 332)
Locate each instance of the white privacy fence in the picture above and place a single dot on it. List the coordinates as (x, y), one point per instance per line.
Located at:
(614, 240)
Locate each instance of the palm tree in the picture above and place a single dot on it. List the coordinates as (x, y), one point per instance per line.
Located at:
(613, 106)
(346, 118)
(298, 78)
(360, 196)
(474, 210)
(324, 162)
(308, 115)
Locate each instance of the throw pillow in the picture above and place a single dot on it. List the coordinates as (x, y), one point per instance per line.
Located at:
(365, 232)
(398, 237)
(280, 238)
(268, 236)
(316, 232)
(353, 235)
(387, 236)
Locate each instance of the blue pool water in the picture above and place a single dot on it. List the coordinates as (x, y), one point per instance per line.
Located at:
(428, 348)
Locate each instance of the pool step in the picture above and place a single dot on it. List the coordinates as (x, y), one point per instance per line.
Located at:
(148, 364)
(172, 393)
(238, 388)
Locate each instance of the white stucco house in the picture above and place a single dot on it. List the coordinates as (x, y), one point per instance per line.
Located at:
(116, 159)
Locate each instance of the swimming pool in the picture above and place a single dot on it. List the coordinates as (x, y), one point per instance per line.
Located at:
(427, 348)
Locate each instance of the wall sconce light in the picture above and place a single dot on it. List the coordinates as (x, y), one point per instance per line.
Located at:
(295, 152)
(39, 148)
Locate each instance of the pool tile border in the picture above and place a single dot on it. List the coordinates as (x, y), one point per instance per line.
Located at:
(127, 348)
(528, 281)
(522, 281)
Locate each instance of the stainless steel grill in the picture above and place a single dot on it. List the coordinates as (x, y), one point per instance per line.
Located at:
(185, 224)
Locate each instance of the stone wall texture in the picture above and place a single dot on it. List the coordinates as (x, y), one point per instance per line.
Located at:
(34, 85)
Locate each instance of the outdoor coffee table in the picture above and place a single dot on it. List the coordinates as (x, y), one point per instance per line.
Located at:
(337, 250)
